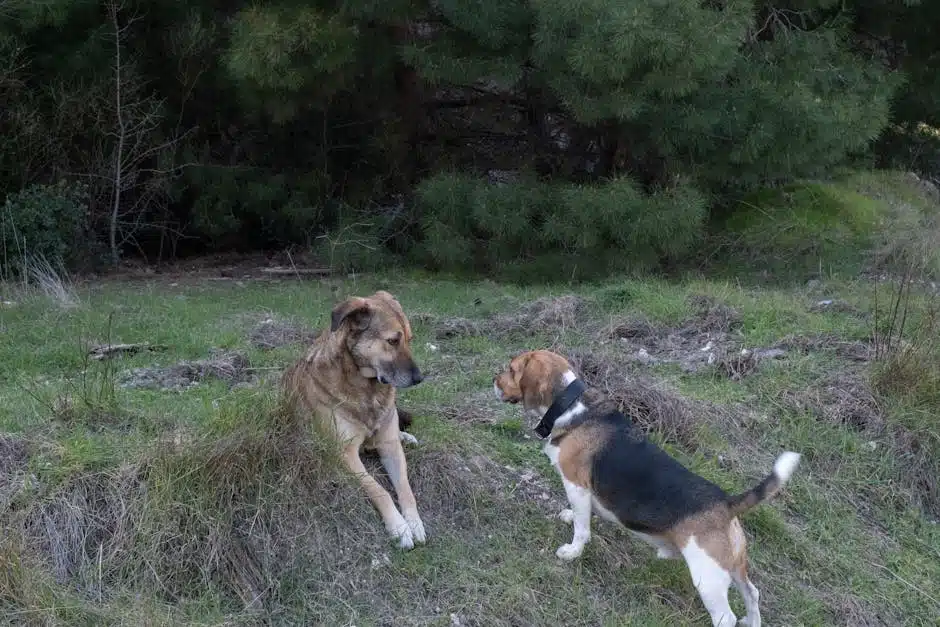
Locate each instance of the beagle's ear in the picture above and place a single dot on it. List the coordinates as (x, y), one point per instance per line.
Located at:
(520, 366)
(534, 382)
(355, 309)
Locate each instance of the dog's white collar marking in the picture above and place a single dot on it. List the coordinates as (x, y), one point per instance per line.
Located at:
(575, 410)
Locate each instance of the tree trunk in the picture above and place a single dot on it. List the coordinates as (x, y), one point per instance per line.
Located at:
(121, 135)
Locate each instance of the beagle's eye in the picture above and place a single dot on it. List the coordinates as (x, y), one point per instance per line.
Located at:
(394, 341)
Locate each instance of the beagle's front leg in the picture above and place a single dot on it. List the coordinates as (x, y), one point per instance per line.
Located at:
(580, 516)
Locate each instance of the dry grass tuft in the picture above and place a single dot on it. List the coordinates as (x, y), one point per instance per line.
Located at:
(230, 366)
(842, 398)
(53, 282)
(14, 456)
(920, 467)
(242, 512)
(849, 350)
(649, 403)
(269, 334)
(542, 315)
(736, 366)
(712, 316)
(632, 328)
(448, 328)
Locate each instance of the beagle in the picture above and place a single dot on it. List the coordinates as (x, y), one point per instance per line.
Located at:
(609, 468)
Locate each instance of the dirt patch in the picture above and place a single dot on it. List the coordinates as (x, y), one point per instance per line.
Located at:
(480, 407)
(706, 339)
(230, 366)
(450, 478)
(270, 333)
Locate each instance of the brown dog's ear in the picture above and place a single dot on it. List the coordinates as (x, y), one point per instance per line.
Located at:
(396, 307)
(356, 309)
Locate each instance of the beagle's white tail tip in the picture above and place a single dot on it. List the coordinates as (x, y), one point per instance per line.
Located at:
(785, 465)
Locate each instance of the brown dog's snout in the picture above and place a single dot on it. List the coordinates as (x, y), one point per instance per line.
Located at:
(416, 376)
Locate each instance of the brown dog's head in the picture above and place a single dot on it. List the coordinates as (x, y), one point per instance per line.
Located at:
(378, 336)
(533, 378)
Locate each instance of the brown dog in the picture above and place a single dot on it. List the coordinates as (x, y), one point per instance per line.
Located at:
(608, 467)
(347, 382)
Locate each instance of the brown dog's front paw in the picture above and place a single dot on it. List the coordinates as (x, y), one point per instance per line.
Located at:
(417, 529)
(400, 530)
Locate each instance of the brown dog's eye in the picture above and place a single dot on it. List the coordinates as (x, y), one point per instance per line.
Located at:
(394, 341)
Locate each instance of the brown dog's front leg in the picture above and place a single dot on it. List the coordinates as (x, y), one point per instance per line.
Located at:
(393, 458)
(395, 523)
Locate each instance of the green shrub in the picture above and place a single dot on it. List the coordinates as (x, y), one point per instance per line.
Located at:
(908, 237)
(529, 227)
(43, 221)
(801, 229)
(242, 209)
(881, 220)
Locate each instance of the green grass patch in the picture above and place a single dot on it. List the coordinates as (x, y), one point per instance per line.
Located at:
(193, 506)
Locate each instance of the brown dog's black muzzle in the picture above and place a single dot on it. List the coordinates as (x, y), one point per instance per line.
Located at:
(402, 374)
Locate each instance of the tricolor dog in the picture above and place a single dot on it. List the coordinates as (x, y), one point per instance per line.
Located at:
(347, 383)
(609, 468)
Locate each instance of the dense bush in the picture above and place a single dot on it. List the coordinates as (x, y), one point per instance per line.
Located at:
(471, 224)
(46, 221)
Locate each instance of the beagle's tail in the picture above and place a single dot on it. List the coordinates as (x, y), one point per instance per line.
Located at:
(772, 483)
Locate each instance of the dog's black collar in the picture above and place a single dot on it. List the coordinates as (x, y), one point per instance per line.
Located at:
(560, 405)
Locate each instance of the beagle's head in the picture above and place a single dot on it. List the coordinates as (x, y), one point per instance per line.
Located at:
(533, 378)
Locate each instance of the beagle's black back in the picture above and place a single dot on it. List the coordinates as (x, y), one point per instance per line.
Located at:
(638, 482)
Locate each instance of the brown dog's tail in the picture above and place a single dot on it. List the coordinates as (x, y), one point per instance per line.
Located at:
(772, 483)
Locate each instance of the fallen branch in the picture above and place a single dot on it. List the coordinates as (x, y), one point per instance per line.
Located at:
(107, 350)
(279, 271)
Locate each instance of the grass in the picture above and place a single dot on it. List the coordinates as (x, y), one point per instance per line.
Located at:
(201, 506)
